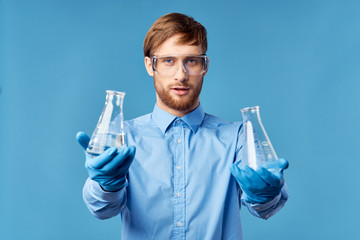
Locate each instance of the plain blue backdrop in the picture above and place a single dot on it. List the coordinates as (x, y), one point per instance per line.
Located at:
(298, 60)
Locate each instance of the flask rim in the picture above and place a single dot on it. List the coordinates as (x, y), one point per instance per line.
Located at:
(256, 108)
(115, 92)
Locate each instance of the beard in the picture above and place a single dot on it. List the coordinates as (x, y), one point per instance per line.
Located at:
(178, 103)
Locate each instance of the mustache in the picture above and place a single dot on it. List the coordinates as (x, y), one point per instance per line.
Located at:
(181, 86)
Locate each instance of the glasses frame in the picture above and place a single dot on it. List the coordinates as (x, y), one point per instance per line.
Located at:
(204, 56)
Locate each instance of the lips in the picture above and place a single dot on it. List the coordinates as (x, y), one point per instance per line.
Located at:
(180, 90)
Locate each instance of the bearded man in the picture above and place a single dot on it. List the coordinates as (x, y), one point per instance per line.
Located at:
(184, 181)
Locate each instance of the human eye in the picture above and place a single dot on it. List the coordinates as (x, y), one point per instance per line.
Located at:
(168, 61)
(192, 61)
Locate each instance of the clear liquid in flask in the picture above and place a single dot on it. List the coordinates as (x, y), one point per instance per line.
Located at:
(103, 141)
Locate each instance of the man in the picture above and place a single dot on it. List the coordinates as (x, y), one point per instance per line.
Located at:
(182, 182)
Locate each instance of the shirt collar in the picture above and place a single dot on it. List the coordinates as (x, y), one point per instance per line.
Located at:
(164, 119)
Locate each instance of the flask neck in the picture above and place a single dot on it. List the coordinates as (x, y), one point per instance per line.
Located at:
(112, 119)
(251, 114)
(114, 98)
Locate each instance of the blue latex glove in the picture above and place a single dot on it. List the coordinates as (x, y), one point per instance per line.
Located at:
(109, 168)
(262, 185)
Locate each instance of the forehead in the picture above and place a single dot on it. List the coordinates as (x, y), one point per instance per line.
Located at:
(172, 47)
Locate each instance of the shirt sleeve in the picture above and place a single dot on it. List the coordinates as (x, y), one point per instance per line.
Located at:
(102, 204)
(268, 209)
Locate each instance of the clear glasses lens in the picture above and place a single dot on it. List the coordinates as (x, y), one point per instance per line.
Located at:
(169, 65)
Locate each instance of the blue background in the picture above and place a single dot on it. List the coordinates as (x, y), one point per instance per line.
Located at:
(298, 60)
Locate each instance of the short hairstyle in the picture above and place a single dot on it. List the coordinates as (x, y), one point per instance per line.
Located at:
(171, 24)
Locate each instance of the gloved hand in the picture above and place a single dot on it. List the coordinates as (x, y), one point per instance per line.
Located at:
(109, 168)
(262, 185)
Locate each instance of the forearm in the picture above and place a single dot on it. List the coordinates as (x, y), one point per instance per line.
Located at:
(103, 204)
(268, 209)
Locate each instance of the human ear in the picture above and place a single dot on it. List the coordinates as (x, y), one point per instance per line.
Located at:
(148, 66)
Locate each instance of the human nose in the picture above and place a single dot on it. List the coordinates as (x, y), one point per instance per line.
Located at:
(181, 74)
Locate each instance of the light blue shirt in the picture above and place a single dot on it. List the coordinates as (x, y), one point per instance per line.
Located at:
(179, 184)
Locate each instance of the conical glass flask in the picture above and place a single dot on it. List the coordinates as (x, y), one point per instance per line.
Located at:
(109, 131)
(257, 149)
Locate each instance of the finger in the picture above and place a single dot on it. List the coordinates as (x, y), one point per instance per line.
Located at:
(122, 160)
(123, 169)
(131, 156)
(248, 171)
(248, 178)
(283, 163)
(253, 178)
(100, 161)
(83, 139)
(235, 171)
(270, 178)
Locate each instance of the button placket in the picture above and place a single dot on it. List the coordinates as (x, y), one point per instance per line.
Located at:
(179, 181)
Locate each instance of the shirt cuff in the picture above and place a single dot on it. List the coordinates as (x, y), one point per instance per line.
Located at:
(103, 204)
(97, 192)
(268, 209)
(263, 206)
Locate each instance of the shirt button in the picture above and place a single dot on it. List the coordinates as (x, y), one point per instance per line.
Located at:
(179, 224)
(179, 141)
(179, 194)
(178, 167)
(177, 121)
